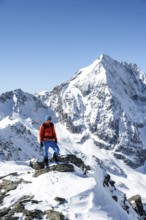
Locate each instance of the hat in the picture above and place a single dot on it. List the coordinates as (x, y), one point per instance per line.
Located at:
(48, 118)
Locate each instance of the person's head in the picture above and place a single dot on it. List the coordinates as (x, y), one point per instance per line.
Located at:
(48, 118)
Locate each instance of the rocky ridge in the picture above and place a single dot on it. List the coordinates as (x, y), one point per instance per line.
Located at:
(19, 207)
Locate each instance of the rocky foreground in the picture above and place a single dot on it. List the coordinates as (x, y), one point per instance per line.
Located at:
(68, 163)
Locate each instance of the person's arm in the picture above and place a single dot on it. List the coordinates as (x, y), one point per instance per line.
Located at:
(41, 133)
(54, 134)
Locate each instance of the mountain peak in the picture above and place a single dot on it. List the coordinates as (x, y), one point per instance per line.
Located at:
(106, 100)
(99, 65)
(105, 57)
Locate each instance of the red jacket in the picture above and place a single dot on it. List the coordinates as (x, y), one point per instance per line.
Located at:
(47, 132)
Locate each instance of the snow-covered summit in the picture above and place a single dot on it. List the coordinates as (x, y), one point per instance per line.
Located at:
(106, 102)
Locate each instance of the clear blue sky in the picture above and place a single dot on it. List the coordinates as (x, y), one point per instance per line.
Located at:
(44, 42)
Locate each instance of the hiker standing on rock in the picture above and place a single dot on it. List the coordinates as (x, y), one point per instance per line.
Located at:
(48, 138)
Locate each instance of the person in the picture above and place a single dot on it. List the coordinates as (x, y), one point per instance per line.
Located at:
(48, 138)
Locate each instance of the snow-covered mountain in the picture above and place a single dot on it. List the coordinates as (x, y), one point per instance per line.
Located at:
(20, 117)
(105, 101)
(99, 115)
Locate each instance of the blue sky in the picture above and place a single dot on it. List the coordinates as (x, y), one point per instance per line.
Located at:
(44, 42)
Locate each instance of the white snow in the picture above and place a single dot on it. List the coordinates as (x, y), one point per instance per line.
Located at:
(85, 195)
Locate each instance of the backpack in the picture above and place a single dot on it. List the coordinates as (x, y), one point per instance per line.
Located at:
(50, 133)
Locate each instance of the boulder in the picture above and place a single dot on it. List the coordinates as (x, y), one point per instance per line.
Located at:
(54, 215)
(137, 205)
(58, 167)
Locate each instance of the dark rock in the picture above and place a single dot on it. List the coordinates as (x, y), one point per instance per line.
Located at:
(64, 166)
(137, 204)
(112, 183)
(106, 180)
(10, 174)
(126, 208)
(71, 158)
(4, 211)
(33, 214)
(58, 167)
(60, 200)
(115, 198)
(54, 215)
(6, 186)
(19, 207)
(37, 165)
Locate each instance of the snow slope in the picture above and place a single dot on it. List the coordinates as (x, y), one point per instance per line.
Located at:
(86, 197)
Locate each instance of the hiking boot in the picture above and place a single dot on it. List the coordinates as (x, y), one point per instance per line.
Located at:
(46, 164)
(55, 158)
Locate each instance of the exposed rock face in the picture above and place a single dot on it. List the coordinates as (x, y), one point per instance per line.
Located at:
(134, 201)
(58, 167)
(110, 184)
(65, 165)
(19, 207)
(32, 206)
(137, 205)
(60, 200)
(106, 102)
(54, 215)
(8, 185)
